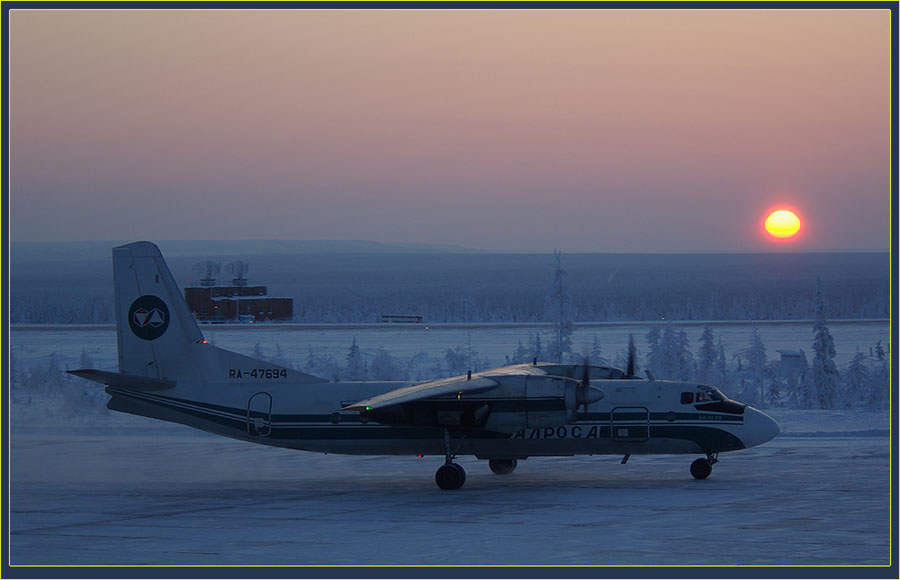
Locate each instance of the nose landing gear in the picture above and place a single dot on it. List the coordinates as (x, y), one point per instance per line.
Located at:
(701, 468)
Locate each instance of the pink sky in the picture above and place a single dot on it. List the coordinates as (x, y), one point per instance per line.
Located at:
(607, 131)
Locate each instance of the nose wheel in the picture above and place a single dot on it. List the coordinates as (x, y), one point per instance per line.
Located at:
(701, 468)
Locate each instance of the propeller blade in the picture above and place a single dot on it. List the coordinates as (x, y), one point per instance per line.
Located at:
(632, 352)
(585, 381)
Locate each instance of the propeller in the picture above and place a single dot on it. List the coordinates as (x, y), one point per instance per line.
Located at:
(632, 353)
(585, 381)
(581, 393)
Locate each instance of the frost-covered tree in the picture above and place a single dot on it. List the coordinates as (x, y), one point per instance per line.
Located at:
(596, 353)
(672, 358)
(522, 354)
(774, 392)
(855, 380)
(323, 366)
(537, 349)
(654, 352)
(562, 312)
(280, 357)
(707, 357)
(825, 376)
(85, 361)
(383, 367)
(878, 385)
(683, 356)
(723, 377)
(457, 360)
(757, 379)
(415, 366)
(355, 367)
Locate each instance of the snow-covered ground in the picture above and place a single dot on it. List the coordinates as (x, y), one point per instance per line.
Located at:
(93, 487)
(164, 494)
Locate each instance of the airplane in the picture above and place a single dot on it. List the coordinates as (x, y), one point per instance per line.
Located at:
(168, 371)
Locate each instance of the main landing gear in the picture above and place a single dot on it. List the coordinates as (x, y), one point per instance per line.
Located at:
(502, 466)
(449, 475)
(701, 468)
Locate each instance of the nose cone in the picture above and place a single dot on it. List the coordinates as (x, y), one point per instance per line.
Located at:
(758, 428)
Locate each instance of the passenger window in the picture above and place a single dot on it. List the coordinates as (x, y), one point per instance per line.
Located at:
(701, 397)
(687, 398)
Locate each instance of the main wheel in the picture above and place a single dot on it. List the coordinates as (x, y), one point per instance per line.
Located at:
(701, 468)
(502, 466)
(450, 476)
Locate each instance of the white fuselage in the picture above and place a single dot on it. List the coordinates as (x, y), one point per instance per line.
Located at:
(634, 417)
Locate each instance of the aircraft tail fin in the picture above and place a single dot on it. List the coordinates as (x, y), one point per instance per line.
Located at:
(157, 335)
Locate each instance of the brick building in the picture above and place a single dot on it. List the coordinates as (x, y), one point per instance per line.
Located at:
(237, 302)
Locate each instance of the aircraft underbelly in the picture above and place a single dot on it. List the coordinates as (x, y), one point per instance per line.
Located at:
(492, 447)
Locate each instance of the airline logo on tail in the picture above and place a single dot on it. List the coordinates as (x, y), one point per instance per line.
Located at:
(148, 317)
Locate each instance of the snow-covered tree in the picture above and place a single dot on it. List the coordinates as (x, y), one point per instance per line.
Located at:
(672, 358)
(537, 349)
(85, 362)
(562, 313)
(756, 372)
(707, 357)
(457, 360)
(855, 380)
(825, 376)
(383, 367)
(280, 357)
(723, 378)
(878, 385)
(683, 357)
(415, 366)
(655, 354)
(355, 367)
(522, 354)
(596, 353)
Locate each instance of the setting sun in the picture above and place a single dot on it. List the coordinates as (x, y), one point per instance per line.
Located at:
(783, 223)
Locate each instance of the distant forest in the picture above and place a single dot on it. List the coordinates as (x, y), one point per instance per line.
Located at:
(480, 287)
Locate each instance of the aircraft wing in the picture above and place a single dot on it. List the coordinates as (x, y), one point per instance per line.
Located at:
(122, 380)
(450, 386)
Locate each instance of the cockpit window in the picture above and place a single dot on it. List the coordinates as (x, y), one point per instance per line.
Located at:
(707, 393)
(687, 398)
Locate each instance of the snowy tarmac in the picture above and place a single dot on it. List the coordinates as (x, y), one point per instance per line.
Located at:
(144, 492)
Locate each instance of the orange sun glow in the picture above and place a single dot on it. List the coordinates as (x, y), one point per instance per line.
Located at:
(783, 223)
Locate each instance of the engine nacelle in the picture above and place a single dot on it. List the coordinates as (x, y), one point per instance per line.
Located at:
(533, 401)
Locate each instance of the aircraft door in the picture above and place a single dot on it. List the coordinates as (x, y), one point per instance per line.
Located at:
(259, 415)
(630, 424)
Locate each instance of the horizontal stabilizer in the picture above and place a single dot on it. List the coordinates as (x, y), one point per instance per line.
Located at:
(122, 380)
